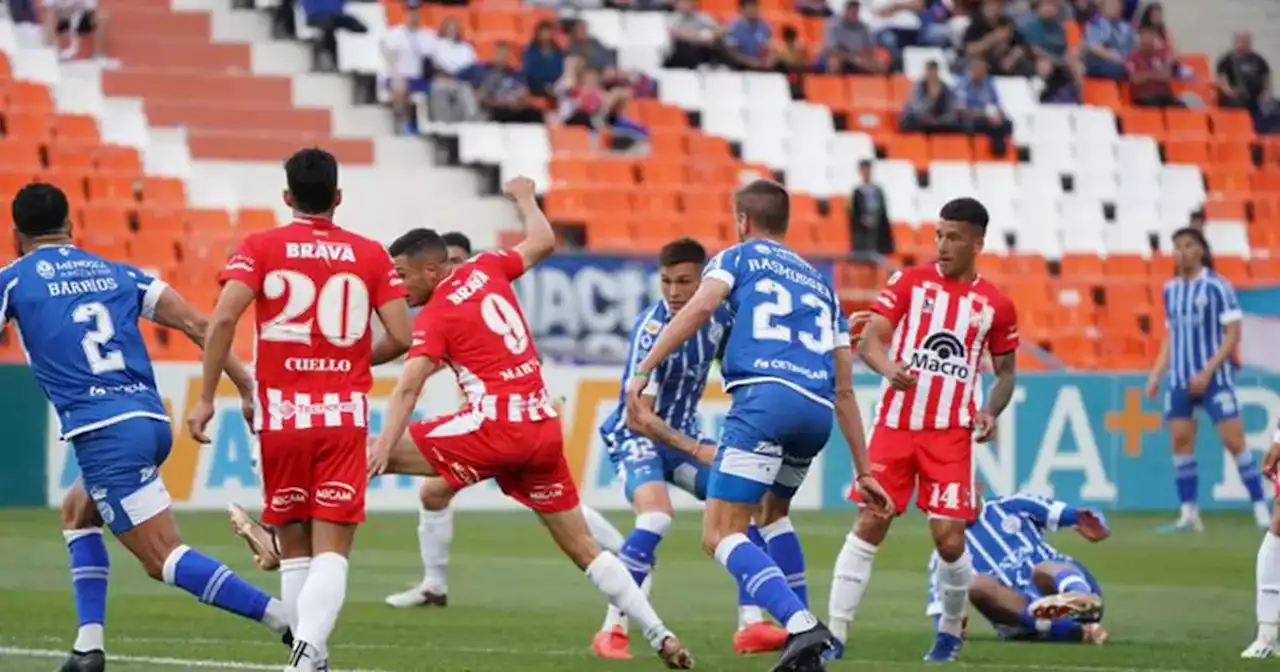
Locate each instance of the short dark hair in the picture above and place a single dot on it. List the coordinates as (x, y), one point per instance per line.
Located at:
(419, 241)
(767, 204)
(1198, 236)
(682, 251)
(312, 176)
(967, 210)
(457, 239)
(864, 164)
(39, 209)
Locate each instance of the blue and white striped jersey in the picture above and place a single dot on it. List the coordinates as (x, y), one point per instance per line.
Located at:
(77, 316)
(1007, 541)
(1196, 314)
(786, 320)
(678, 382)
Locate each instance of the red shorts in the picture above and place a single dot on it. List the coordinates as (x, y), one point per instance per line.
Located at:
(940, 461)
(318, 473)
(527, 458)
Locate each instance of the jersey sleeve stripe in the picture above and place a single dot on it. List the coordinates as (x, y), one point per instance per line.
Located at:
(1230, 316)
(722, 275)
(151, 296)
(4, 300)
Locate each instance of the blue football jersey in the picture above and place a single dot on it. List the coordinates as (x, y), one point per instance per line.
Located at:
(77, 316)
(1197, 312)
(678, 382)
(786, 320)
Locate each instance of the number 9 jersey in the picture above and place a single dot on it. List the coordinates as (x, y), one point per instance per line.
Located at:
(316, 287)
(786, 322)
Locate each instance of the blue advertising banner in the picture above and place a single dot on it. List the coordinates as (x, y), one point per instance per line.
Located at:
(581, 307)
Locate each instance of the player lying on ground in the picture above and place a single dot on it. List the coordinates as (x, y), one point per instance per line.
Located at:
(788, 365)
(1267, 570)
(1202, 331)
(315, 288)
(927, 337)
(663, 449)
(1022, 585)
(509, 431)
(78, 318)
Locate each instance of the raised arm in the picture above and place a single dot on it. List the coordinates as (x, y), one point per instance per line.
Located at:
(539, 239)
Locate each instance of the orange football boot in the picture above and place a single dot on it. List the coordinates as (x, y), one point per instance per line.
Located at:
(759, 637)
(612, 644)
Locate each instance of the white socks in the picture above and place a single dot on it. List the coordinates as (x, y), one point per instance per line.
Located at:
(90, 638)
(849, 583)
(953, 580)
(320, 601)
(749, 615)
(435, 537)
(611, 577)
(293, 575)
(606, 535)
(615, 617)
(1268, 586)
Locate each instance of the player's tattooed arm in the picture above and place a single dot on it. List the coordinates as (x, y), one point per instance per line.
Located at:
(653, 427)
(173, 311)
(1005, 367)
(399, 409)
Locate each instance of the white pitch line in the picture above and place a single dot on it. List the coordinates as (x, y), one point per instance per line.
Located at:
(230, 665)
(17, 652)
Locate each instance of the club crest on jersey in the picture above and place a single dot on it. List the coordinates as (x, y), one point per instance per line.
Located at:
(45, 269)
(652, 327)
(323, 251)
(929, 303)
(942, 353)
(1010, 525)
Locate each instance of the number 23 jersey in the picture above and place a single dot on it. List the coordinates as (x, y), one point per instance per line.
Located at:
(786, 320)
(316, 287)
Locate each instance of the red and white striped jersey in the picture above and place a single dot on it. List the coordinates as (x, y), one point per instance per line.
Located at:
(316, 287)
(941, 328)
(473, 324)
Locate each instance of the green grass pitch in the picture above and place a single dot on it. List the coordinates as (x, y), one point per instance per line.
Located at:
(1173, 603)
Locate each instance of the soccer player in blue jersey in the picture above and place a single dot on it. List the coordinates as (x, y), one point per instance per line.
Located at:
(1024, 587)
(1202, 331)
(788, 365)
(78, 318)
(667, 447)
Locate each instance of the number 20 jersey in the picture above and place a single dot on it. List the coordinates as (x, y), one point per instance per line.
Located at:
(316, 287)
(77, 314)
(786, 320)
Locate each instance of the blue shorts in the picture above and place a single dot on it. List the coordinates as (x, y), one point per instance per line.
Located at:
(770, 437)
(120, 466)
(1219, 401)
(412, 84)
(640, 461)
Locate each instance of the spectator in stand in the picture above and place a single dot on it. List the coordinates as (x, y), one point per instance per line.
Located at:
(502, 93)
(979, 107)
(814, 8)
(935, 24)
(992, 37)
(1153, 16)
(407, 49)
(1151, 71)
(1108, 41)
(586, 101)
(849, 48)
(328, 17)
(543, 61)
(932, 106)
(452, 99)
(1244, 82)
(75, 19)
(746, 41)
(793, 61)
(896, 23)
(869, 216)
(695, 37)
(1061, 71)
(592, 52)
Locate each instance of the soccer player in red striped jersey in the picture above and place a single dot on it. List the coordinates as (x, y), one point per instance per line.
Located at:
(926, 335)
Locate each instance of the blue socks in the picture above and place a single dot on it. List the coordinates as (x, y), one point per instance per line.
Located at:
(759, 577)
(89, 567)
(1247, 465)
(1056, 630)
(639, 549)
(1072, 581)
(745, 599)
(1186, 474)
(784, 548)
(213, 583)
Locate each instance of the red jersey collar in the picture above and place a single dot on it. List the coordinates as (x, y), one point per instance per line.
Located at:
(314, 220)
(938, 269)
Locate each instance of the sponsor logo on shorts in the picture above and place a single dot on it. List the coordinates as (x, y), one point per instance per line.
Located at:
(334, 493)
(108, 514)
(285, 498)
(98, 494)
(462, 472)
(547, 493)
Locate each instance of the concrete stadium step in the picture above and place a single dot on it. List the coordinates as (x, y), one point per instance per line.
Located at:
(137, 52)
(274, 147)
(188, 85)
(209, 115)
(134, 22)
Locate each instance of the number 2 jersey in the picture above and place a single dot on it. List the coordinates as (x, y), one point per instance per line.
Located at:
(786, 320)
(316, 287)
(77, 315)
